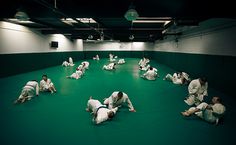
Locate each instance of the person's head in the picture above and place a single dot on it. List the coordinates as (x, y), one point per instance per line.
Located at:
(110, 114)
(202, 80)
(34, 80)
(151, 68)
(45, 77)
(216, 100)
(120, 95)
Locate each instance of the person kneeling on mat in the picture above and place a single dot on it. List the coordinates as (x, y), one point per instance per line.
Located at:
(117, 99)
(100, 112)
(28, 91)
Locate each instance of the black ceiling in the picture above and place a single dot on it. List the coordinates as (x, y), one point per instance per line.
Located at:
(110, 15)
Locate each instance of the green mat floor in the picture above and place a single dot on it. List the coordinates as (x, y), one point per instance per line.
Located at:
(61, 119)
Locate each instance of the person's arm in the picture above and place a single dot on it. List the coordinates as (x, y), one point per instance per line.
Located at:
(37, 89)
(205, 93)
(41, 85)
(130, 105)
(110, 102)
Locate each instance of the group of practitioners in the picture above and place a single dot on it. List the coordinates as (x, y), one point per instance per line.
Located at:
(32, 88)
(197, 92)
(112, 64)
(107, 110)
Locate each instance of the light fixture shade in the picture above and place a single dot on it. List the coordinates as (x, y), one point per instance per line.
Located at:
(131, 15)
(21, 16)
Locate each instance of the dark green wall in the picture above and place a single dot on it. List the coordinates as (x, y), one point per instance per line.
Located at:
(19, 63)
(220, 70)
(120, 54)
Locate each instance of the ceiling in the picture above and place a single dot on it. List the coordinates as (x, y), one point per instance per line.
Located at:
(109, 15)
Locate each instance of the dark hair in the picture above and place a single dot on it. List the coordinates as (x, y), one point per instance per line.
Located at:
(120, 94)
(219, 99)
(34, 80)
(151, 68)
(44, 75)
(203, 79)
(111, 114)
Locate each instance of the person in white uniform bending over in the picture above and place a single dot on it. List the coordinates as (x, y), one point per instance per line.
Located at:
(151, 74)
(71, 61)
(85, 64)
(96, 57)
(76, 75)
(208, 112)
(117, 99)
(46, 84)
(197, 91)
(121, 61)
(178, 78)
(28, 91)
(110, 66)
(100, 112)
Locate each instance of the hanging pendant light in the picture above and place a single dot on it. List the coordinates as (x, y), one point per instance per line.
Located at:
(131, 14)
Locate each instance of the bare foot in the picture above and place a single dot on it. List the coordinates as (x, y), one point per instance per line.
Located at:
(185, 113)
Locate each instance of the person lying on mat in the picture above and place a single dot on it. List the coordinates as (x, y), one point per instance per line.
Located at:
(28, 91)
(100, 112)
(96, 57)
(46, 84)
(117, 99)
(208, 112)
(151, 74)
(197, 91)
(110, 66)
(76, 75)
(178, 78)
(121, 61)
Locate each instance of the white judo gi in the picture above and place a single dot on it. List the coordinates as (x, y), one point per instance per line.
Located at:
(109, 66)
(210, 115)
(196, 92)
(111, 58)
(176, 78)
(45, 85)
(30, 89)
(121, 61)
(65, 63)
(143, 62)
(86, 64)
(71, 61)
(99, 109)
(150, 75)
(113, 101)
(76, 75)
(96, 57)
